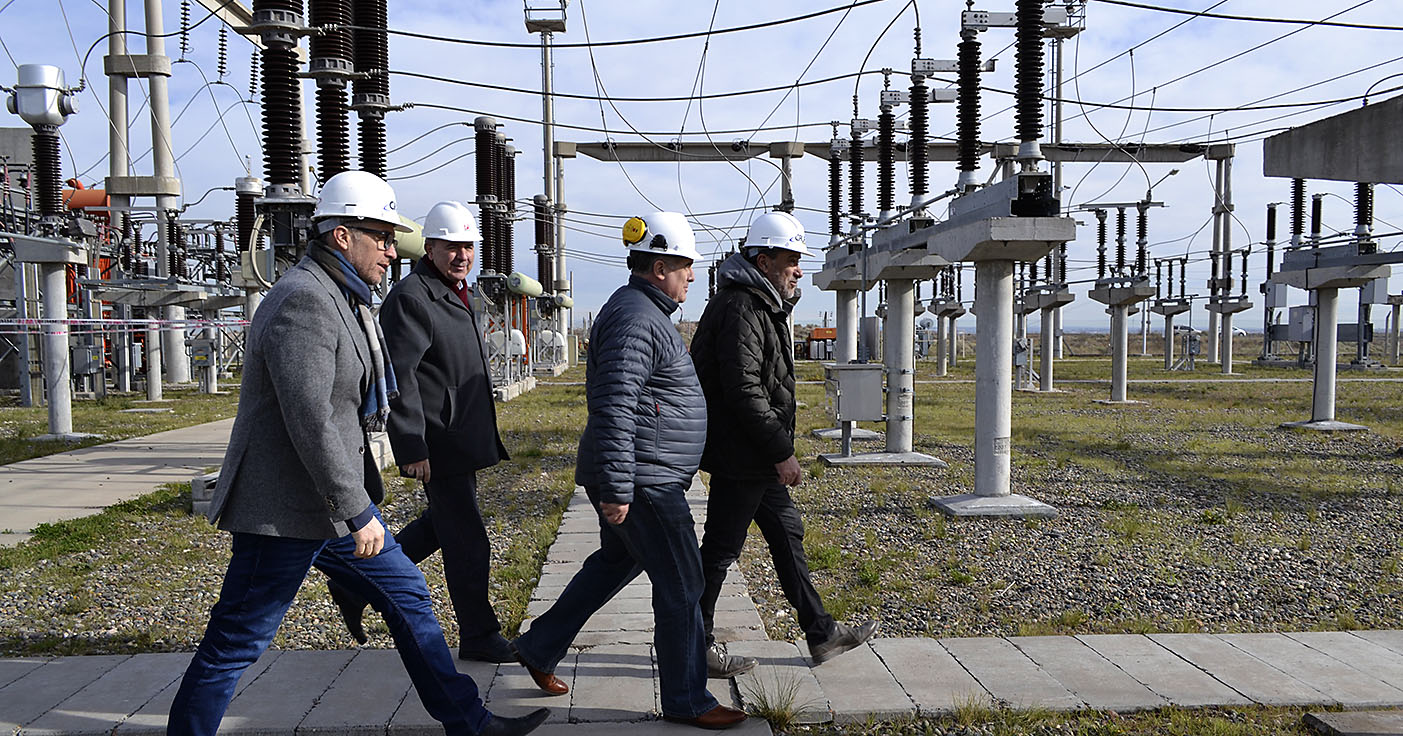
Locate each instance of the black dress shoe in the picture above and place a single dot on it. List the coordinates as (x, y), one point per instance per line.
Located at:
(492, 649)
(500, 726)
(352, 609)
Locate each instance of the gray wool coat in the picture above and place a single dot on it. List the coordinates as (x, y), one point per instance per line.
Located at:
(298, 463)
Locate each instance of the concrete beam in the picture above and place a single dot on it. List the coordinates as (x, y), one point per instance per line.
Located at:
(939, 151)
(1360, 145)
(235, 15)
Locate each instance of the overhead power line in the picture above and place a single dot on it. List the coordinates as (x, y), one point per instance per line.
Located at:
(625, 42)
(1252, 18)
(688, 98)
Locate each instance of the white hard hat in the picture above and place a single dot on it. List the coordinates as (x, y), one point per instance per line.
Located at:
(451, 221)
(777, 230)
(661, 232)
(358, 195)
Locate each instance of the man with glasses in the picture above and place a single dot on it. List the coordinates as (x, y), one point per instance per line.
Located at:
(299, 485)
(443, 427)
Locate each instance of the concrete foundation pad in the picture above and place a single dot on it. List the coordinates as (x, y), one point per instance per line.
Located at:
(67, 437)
(899, 459)
(1357, 723)
(1127, 402)
(860, 688)
(1241, 671)
(614, 683)
(1097, 681)
(836, 433)
(931, 677)
(1014, 504)
(1325, 425)
(1009, 675)
(1162, 671)
(1336, 679)
(148, 410)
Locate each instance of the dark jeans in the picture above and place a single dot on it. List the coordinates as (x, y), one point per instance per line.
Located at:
(453, 524)
(730, 507)
(656, 538)
(263, 577)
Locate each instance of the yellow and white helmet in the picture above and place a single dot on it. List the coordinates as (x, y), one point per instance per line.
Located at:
(667, 233)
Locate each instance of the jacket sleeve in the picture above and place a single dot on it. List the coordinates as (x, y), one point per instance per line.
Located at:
(623, 363)
(408, 333)
(300, 367)
(740, 354)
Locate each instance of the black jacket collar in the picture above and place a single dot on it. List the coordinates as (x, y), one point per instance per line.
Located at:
(664, 302)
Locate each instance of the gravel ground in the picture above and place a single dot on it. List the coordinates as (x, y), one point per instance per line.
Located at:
(1130, 551)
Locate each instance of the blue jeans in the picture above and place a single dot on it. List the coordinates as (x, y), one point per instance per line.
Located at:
(657, 537)
(261, 583)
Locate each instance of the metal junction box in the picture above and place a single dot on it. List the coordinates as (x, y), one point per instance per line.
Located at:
(855, 391)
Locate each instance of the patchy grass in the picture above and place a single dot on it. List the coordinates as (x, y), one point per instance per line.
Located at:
(972, 718)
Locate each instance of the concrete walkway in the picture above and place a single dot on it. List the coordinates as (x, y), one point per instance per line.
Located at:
(83, 482)
(612, 674)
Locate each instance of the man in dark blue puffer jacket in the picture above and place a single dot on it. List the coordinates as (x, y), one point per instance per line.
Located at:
(639, 451)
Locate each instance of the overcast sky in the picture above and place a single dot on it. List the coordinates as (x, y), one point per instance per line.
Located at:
(217, 129)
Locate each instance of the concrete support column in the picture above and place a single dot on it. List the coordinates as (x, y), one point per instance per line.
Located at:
(899, 334)
(153, 363)
(211, 371)
(845, 322)
(117, 138)
(1327, 317)
(1046, 340)
(163, 157)
(993, 378)
(1057, 333)
(1168, 342)
(22, 291)
(1393, 335)
(1120, 337)
(57, 381)
(952, 341)
(1226, 354)
(942, 352)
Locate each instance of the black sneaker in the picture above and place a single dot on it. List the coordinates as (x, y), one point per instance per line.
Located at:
(500, 726)
(352, 608)
(723, 666)
(844, 637)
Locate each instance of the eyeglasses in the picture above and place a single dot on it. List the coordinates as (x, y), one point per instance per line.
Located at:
(384, 239)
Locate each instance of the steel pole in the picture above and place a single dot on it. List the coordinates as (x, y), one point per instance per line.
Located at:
(1327, 316)
(952, 341)
(1120, 345)
(22, 303)
(163, 157)
(993, 377)
(1057, 192)
(1046, 340)
(117, 137)
(942, 352)
(1217, 250)
(57, 381)
(153, 362)
(1393, 334)
(1225, 351)
(898, 353)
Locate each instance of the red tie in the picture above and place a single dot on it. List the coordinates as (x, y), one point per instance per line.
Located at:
(462, 291)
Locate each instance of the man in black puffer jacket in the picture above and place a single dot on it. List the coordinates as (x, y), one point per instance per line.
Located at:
(745, 361)
(639, 452)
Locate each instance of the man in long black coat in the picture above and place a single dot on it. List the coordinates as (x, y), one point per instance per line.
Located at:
(443, 427)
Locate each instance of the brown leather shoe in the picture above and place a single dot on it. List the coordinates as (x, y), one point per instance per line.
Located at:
(715, 719)
(547, 681)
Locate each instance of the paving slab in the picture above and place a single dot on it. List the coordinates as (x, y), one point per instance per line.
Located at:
(1009, 675)
(1163, 671)
(614, 682)
(13, 669)
(1346, 685)
(1086, 674)
(285, 693)
(410, 719)
(108, 700)
(31, 696)
(1357, 723)
(514, 693)
(783, 676)
(1241, 671)
(1387, 638)
(751, 727)
(363, 698)
(151, 718)
(859, 687)
(935, 682)
(1358, 652)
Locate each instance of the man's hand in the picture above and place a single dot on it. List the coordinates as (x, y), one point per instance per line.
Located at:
(614, 513)
(419, 470)
(370, 539)
(789, 471)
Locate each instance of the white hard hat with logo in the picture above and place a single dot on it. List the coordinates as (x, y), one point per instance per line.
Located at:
(777, 230)
(358, 195)
(661, 232)
(451, 221)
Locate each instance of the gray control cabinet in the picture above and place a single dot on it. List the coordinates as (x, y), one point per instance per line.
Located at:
(855, 391)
